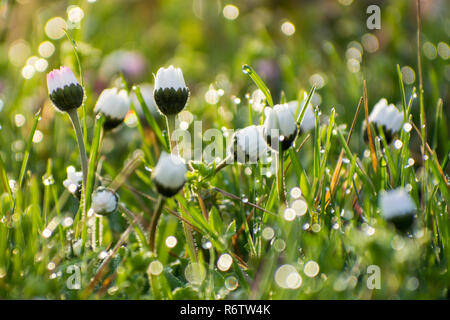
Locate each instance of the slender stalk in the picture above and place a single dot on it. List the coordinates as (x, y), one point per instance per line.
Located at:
(223, 163)
(102, 269)
(170, 120)
(422, 111)
(73, 115)
(154, 223)
(97, 234)
(280, 178)
(369, 131)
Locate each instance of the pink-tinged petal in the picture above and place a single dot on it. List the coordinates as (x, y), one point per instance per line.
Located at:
(59, 78)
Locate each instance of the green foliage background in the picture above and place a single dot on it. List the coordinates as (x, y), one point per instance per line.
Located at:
(195, 36)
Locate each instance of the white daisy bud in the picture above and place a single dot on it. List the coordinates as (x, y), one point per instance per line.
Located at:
(398, 207)
(169, 175)
(248, 144)
(280, 126)
(114, 104)
(104, 201)
(309, 119)
(73, 181)
(147, 94)
(386, 116)
(64, 90)
(170, 92)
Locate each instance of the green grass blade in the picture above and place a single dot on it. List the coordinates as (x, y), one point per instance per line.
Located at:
(259, 83)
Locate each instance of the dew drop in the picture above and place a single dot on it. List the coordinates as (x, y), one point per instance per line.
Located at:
(300, 207)
(246, 69)
(295, 192)
(231, 283)
(289, 214)
(224, 262)
(279, 245)
(268, 233)
(155, 268)
(398, 144)
(407, 127)
(311, 269)
(171, 241)
(287, 277)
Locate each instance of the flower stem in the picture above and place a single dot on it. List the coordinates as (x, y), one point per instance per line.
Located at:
(171, 120)
(154, 223)
(280, 178)
(73, 115)
(223, 163)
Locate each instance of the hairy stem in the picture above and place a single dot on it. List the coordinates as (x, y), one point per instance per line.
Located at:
(223, 163)
(154, 223)
(280, 178)
(73, 115)
(170, 120)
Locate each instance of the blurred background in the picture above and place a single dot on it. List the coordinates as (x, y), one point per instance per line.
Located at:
(293, 45)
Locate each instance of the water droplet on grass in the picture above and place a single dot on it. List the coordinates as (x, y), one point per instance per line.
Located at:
(246, 69)
(225, 261)
(268, 233)
(295, 192)
(171, 241)
(407, 127)
(398, 144)
(311, 269)
(155, 268)
(300, 207)
(231, 283)
(289, 214)
(287, 277)
(279, 245)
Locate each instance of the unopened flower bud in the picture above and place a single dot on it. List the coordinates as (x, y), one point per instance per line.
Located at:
(280, 127)
(114, 104)
(398, 208)
(309, 120)
(169, 175)
(171, 93)
(388, 117)
(248, 144)
(64, 90)
(104, 201)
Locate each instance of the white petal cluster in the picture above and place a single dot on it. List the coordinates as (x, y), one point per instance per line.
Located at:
(74, 179)
(147, 94)
(113, 103)
(104, 201)
(395, 203)
(169, 78)
(59, 78)
(386, 115)
(280, 117)
(170, 172)
(250, 142)
(309, 119)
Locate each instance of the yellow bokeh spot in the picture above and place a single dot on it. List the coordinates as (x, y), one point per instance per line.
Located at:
(230, 12)
(288, 28)
(54, 28)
